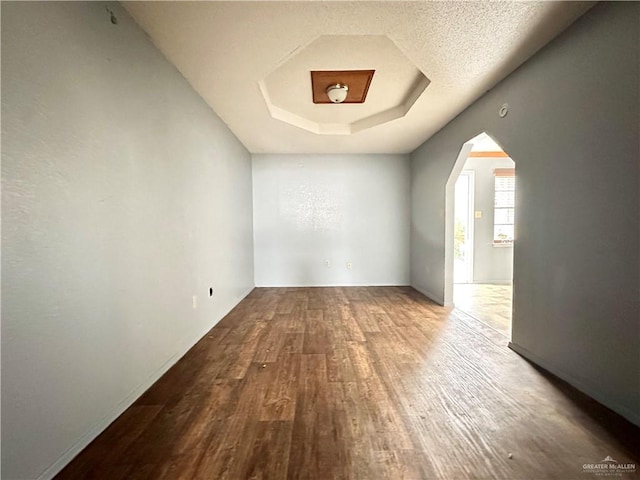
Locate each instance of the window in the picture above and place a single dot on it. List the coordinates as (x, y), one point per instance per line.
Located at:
(504, 206)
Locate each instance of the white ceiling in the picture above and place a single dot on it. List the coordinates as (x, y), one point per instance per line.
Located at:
(229, 52)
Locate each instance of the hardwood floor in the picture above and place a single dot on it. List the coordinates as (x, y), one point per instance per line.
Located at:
(488, 303)
(355, 383)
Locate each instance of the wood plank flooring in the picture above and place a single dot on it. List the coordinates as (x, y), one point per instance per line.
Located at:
(355, 383)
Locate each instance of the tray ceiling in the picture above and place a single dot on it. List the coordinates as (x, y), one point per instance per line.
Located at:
(251, 62)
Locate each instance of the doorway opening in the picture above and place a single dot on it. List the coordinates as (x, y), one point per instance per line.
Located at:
(464, 224)
(480, 216)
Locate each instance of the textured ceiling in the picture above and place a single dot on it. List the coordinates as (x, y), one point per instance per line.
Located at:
(229, 52)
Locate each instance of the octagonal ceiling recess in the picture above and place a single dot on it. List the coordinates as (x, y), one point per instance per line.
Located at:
(227, 49)
(395, 87)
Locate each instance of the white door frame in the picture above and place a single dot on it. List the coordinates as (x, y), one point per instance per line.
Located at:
(471, 192)
(449, 224)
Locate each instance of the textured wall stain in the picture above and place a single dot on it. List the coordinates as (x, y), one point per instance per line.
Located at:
(311, 206)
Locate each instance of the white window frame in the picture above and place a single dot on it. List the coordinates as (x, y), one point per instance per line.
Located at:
(502, 173)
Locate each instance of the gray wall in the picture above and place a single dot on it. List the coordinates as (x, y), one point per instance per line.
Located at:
(310, 209)
(123, 196)
(490, 264)
(572, 128)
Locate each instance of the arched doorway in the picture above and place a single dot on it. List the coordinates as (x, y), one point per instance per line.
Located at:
(480, 217)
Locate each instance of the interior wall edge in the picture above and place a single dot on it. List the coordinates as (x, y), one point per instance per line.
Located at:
(124, 202)
(436, 298)
(575, 309)
(126, 402)
(581, 384)
(331, 220)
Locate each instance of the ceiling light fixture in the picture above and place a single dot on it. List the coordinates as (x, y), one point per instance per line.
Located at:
(337, 93)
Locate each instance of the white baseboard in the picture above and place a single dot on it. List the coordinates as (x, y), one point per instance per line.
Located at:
(323, 285)
(593, 392)
(436, 298)
(120, 408)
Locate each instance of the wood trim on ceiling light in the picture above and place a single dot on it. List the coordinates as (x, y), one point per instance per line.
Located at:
(357, 80)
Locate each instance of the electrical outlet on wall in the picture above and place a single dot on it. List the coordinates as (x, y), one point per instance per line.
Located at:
(327, 263)
(349, 265)
(195, 302)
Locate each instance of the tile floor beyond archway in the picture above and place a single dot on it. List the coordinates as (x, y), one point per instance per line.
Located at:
(489, 303)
